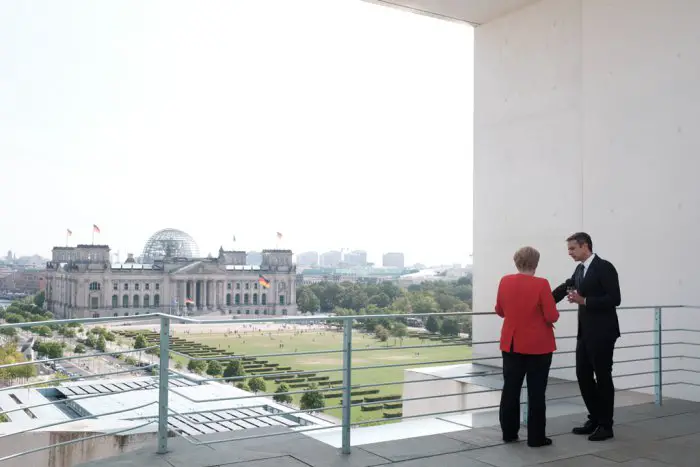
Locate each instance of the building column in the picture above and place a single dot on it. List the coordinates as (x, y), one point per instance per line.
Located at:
(200, 305)
(222, 294)
(182, 292)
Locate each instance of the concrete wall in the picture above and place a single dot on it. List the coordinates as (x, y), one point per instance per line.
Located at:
(586, 118)
(72, 454)
(476, 397)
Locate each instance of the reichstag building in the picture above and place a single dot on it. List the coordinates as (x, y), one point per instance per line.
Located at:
(171, 277)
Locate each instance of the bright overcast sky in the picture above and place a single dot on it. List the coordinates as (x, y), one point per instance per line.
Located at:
(341, 124)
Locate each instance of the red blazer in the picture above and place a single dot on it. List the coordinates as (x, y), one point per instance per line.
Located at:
(527, 304)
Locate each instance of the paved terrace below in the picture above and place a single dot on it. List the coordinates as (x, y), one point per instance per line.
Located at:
(646, 436)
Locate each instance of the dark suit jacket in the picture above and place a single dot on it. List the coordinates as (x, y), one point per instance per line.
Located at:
(597, 320)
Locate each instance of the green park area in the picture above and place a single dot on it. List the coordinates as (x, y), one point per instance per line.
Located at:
(393, 352)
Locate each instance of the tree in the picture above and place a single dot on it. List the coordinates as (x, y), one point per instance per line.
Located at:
(257, 384)
(140, 342)
(214, 368)
(381, 300)
(197, 366)
(423, 303)
(307, 301)
(79, 348)
(432, 324)
(312, 399)
(450, 327)
(399, 331)
(234, 369)
(8, 331)
(282, 398)
(50, 349)
(381, 333)
(242, 385)
(39, 299)
(101, 344)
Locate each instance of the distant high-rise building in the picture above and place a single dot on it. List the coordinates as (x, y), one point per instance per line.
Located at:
(393, 260)
(254, 258)
(331, 259)
(308, 258)
(356, 258)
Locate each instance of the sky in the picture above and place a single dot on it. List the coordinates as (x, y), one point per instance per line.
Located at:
(339, 123)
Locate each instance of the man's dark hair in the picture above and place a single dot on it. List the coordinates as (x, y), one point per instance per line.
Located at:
(581, 238)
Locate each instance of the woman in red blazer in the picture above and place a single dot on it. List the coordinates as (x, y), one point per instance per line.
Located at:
(527, 343)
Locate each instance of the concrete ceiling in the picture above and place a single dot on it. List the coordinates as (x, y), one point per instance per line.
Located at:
(471, 11)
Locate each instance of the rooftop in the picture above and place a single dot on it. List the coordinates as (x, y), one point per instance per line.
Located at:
(646, 436)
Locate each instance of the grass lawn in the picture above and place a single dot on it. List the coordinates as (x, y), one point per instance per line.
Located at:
(266, 343)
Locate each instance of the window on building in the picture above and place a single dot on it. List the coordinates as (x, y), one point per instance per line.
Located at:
(255, 286)
(284, 312)
(281, 299)
(228, 286)
(156, 300)
(255, 299)
(115, 286)
(246, 299)
(228, 299)
(136, 301)
(238, 299)
(146, 300)
(115, 301)
(257, 312)
(247, 286)
(125, 301)
(147, 286)
(136, 286)
(264, 299)
(238, 286)
(126, 286)
(157, 286)
(94, 286)
(247, 312)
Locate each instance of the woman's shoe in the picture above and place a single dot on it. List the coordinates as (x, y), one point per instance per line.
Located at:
(511, 439)
(539, 443)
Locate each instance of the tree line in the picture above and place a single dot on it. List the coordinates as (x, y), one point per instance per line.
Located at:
(347, 299)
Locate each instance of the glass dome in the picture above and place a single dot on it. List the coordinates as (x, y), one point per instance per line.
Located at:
(171, 243)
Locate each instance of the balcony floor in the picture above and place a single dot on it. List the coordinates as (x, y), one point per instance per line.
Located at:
(646, 436)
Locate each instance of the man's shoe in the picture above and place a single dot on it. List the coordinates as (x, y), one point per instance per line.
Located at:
(588, 428)
(511, 439)
(601, 434)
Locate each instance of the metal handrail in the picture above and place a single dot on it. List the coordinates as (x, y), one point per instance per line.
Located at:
(346, 322)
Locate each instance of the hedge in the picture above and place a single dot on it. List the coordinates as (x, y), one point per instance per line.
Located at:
(393, 414)
(332, 395)
(386, 397)
(395, 405)
(319, 378)
(300, 385)
(371, 408)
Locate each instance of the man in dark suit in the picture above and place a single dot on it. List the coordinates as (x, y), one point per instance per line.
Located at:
(595, 288)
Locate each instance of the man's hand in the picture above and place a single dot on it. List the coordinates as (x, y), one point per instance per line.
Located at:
(574, 297)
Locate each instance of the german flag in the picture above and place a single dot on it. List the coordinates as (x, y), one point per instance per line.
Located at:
(264, 282)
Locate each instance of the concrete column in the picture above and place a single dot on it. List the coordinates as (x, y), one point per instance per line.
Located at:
(182, 292)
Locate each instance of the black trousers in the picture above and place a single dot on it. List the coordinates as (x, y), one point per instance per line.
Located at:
(594, 362)
(516, 367)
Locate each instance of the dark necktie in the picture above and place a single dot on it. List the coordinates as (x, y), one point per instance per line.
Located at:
(578, 277)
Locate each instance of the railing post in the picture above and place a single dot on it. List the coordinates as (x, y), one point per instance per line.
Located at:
(347, 382)
(658, 358)
(163, 385)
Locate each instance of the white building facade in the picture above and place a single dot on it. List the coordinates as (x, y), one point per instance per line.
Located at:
(586, 118)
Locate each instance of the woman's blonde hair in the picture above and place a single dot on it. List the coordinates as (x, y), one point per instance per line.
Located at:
(526, 259)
